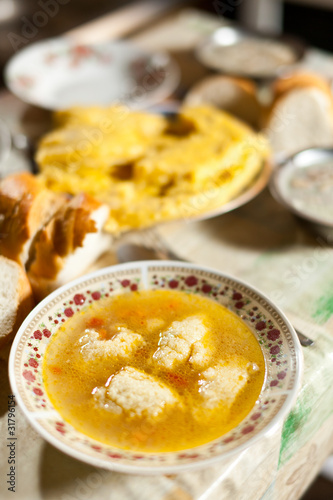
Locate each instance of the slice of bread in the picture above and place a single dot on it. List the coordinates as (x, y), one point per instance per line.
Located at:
(237, 96)
(16, 299)
(25, 206)
(301, 115)
(71, 241)
(299, 79)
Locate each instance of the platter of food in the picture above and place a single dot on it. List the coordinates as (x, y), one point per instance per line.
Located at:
(155, 367)
(106, 171)
(151, 168)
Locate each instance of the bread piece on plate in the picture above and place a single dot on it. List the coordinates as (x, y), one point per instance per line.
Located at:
(25, 206)
(238, 96)
(299, 79)
(71, 241)
(16, 299)
(301, 115)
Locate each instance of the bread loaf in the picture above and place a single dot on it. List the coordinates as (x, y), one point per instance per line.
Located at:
(16, 299)
(238, 96)
(301, 115)
(25, 206)
(71, 241)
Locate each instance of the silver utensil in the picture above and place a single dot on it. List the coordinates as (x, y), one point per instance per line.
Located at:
(155, 248)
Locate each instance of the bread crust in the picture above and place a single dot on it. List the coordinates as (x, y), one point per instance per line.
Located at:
(62, 235)
(23, 302)
(58, 241)
(246, 106)
(246, 84)
(298, 80)
(25, 206)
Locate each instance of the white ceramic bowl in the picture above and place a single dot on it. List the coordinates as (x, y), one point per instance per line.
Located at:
(311, 199)
(279, 343)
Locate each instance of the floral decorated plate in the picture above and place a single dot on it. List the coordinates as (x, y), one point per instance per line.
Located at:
(278, 341)
(57, 74)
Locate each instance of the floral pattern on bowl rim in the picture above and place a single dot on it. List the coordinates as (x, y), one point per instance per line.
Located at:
(279, 343)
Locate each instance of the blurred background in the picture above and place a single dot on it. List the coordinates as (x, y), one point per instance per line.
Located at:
(26, 21)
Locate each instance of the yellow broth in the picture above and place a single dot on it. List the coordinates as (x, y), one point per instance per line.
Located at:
(70, 379)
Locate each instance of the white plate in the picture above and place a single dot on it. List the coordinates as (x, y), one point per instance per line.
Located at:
(276, 336)
(57, 74)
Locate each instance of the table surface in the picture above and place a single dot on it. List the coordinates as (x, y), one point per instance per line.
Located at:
(261, 243)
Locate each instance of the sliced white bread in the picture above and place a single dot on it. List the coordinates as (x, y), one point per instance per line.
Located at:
(25, 206)
(237, 96)
(301, 115)
(68, 244)
(16, 299)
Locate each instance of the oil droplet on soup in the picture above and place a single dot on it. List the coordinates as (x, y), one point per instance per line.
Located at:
(154, 370)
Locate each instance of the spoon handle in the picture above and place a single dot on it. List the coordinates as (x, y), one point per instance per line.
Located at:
(304, 340)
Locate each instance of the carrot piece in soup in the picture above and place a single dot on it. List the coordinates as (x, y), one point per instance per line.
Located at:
(56, 370)
(95, 322)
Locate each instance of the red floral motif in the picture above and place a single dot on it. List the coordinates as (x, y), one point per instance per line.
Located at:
(79, 299)
(77, 54)
(33, 363)
(188, 456)
(25, 81)
(46, 333)
(96, 295)
(239, 305)
(61, 430)
(191, 281)
(273, 334)
(206, 288)
(134, 287)
(114, 455)
(125, 283)
(173, 283)
(248, 429)
(81, 50)
(260, 325)
(38, 335)
(274, 350)
(237, 296)
(38, 392)
(29, 376)
(69, 312)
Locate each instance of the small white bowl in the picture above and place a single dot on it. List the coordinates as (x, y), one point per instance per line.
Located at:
(260, 54)
(278, 340)
(303, 183)
(58, 73)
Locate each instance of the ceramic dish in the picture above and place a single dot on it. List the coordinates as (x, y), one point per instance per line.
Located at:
(280, 346)
(304, 184)
(57, 74)
(236, 51)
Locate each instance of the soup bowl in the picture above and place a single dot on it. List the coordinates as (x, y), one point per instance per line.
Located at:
(276, 336)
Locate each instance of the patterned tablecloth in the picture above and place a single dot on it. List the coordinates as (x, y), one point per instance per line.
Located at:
(261, 243)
